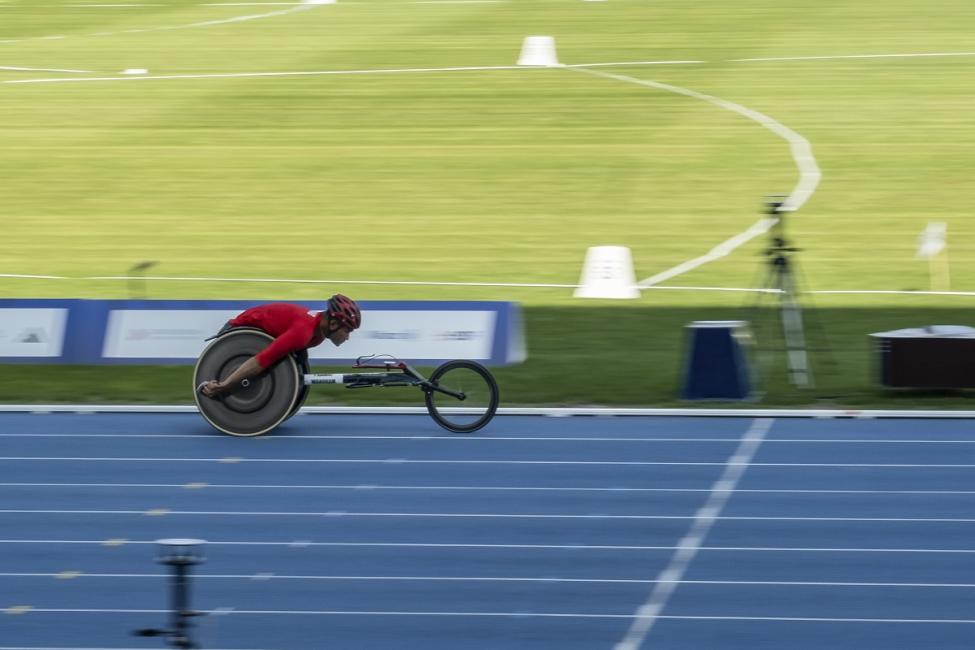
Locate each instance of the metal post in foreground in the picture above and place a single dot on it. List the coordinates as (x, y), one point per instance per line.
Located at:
(180, 554)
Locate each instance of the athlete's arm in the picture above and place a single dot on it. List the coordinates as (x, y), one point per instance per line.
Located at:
(248, 369)
(293, 339)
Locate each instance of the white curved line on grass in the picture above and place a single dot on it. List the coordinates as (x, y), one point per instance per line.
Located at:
(302, 6)
(809, 174)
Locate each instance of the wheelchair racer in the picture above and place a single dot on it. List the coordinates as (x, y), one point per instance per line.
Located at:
(294, 329)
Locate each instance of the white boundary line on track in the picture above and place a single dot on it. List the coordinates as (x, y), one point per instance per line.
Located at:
(486, 439)
(460, 488)
(394, 578)
(668, 579)
(516, 411)
(414, 461)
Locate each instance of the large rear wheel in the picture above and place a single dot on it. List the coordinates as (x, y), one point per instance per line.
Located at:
(266, 400)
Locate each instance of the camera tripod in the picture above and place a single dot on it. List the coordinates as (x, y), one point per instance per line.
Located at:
(780, 279)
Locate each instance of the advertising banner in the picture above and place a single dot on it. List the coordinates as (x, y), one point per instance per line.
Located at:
(32, 333)
(175, 331)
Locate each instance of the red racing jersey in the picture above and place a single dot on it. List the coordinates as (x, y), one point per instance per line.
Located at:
(293, 327)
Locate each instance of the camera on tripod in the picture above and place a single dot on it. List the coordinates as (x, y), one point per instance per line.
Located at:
(780, 280)
(778, 244)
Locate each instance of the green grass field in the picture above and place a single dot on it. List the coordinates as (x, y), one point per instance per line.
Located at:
(498, 176)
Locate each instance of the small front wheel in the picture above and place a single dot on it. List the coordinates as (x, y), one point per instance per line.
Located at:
(462, 396)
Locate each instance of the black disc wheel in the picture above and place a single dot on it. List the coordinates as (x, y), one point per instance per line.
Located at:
(266, 400)
(463, 397)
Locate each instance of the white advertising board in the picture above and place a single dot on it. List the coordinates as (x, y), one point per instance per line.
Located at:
(32, 332)
(406, 334)
(418, 334)
(161, 334)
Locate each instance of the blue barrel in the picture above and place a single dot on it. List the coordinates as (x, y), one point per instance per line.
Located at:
(716, 361)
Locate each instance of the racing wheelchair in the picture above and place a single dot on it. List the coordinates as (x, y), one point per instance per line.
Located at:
(461, 396)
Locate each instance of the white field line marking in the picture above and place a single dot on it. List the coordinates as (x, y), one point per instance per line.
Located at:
(379, 282)
(209, 23)
(717, 583)
(419, 283)
(668, 579)
(520, 614)
(809, 174)
(853, 56)
(476, 488)
(409, 461)
(19, 69)
(717, 495)
(539, 547)
(302, 73)
(631, 63)
(33, 277)
(240, 19)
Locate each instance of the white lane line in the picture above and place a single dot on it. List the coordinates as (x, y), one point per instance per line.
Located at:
(35, 647)
(801, 150)
(648, 613)
(519, 614)
(408, 461)
(493, 488)
(395, 578)
(706, 516)
(524, 547)
(438, 438)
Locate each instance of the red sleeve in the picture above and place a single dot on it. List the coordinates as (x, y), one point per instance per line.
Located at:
(295, 338)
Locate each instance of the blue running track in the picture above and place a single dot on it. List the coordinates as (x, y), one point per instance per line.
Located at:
(383, 532)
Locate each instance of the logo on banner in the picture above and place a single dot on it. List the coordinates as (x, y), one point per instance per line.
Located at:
(392, 335)
(32, 335)
(459, 335)
(164, 334)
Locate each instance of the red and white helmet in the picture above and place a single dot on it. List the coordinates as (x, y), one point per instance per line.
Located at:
(344, 311)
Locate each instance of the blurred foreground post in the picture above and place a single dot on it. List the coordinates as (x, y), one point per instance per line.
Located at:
(180, 554)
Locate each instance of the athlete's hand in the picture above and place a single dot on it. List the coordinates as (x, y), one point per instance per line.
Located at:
(211, 389)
